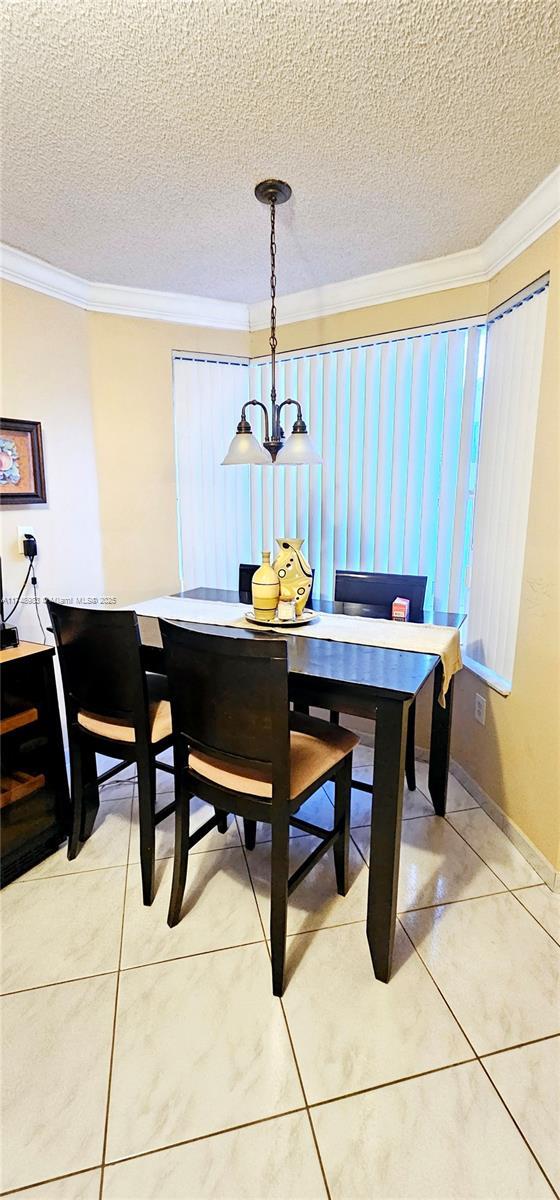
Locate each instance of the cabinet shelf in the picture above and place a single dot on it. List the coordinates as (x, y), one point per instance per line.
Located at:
(18, 785)
(16, 720)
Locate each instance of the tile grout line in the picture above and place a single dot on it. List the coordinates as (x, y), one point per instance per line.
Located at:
(530, 914)
(483, 860)
(39, 987)
(546, 1037)
(27, 1187)
(115, 1010)
(199, 1137)
(160, 962)
(460, 900)
(443, 903)
(17, 883)
(288, 1031)
(518, 1127)
(113, 867)
(387, 1083)
(479, 1059)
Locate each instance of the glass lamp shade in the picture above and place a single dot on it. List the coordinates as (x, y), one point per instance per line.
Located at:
(245, 449)
(297, 450)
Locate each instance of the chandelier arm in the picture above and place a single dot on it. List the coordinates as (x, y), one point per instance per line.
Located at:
(299, 426)
(244, 420)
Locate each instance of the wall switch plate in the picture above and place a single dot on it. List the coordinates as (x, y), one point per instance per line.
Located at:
(480, 709)
(21, 531)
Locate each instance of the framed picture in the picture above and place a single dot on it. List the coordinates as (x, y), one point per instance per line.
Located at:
(22, 471)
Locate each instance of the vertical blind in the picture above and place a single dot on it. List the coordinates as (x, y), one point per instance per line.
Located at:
(396, 420)
(511, 394)
(213, 502)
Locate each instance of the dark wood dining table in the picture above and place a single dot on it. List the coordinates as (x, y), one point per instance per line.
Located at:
(361, 681)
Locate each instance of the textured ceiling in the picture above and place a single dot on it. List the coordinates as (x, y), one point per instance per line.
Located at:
(135, 130)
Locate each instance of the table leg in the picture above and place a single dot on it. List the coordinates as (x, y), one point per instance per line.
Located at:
(385, 846)
(440, 744)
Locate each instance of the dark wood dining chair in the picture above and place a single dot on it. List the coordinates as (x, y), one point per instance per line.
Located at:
(237, 746)
(370, 593)
(246, 572)
(112, 708)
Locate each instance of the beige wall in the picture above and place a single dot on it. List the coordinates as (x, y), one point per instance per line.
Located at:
(45, 377)
(131, 371)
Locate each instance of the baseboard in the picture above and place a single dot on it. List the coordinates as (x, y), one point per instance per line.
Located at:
(526, 847)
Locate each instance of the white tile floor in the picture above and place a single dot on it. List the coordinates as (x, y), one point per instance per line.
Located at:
(142, 1063)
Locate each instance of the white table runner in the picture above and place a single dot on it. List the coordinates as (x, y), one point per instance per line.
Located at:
(442, 640)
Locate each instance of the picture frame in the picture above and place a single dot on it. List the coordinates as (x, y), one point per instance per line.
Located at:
(22, 467)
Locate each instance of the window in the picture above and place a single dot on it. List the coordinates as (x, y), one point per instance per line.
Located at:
(509, 418)
(396, 418)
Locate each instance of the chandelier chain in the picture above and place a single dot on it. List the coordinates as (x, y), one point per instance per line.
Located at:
(272, 341)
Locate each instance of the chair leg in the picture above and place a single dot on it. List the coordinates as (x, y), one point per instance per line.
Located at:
(279, 899)
(77, 792)
(249, 833)
(181, 860)
(342, 794)
(146, 811)
(91, 793)
(410, 764)
(222, 820)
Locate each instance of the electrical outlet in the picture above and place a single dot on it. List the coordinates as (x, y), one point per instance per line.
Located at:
(480, 709)
(21, 531)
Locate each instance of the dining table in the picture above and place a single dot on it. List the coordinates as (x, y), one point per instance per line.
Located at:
(358, 680)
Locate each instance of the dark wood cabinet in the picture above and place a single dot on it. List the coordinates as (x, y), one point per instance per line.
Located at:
(34, 806)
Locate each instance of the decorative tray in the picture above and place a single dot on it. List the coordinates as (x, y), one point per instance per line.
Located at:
(281, 623)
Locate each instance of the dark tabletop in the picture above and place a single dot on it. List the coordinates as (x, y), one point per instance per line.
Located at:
(317, 663)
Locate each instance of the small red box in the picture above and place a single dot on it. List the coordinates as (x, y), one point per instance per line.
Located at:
(400, 609)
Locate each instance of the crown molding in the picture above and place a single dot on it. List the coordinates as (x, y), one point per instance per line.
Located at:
(530, 220)
(40, 276)
(537, 213)
(175, 307)
(397, 283)
(19, 267)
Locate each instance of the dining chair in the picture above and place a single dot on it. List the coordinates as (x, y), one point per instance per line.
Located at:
(246, 572)
(112, 708)
(237, 746)
(375, 591)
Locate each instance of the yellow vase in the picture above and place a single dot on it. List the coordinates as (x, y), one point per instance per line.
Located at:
(294, 572)
(265, 589)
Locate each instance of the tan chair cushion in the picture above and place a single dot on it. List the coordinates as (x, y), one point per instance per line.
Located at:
(315, 747)
(160, 724)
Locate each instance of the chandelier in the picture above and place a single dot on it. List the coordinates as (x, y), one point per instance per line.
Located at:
(298, 448)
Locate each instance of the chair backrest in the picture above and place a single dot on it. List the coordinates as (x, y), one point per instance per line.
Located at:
(378, 590)
(229, 695)
(246, 572)
(100, 662)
